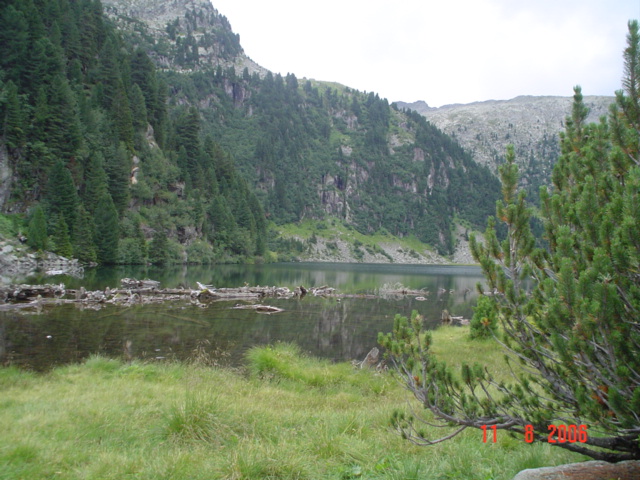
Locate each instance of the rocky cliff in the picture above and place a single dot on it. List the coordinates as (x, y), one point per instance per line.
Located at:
(531, 124)
(191, 33)
(5, 176)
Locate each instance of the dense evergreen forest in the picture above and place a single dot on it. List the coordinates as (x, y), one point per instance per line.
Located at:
(115, 157)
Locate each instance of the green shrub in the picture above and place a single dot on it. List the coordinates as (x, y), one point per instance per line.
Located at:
(485, 320)
(133, 251)
(8, 225)
(200, 252)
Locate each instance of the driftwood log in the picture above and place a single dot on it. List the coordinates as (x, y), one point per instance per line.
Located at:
(258, 308)
(23, 293)
(133, 283)
(134, 291)
(397, 289)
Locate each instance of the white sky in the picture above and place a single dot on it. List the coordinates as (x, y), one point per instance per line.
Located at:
(440, 51)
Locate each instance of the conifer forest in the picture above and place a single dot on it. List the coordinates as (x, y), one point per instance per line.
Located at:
(114, 158)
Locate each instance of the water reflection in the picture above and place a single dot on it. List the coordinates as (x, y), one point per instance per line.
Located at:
(339, 329)
(347, 278)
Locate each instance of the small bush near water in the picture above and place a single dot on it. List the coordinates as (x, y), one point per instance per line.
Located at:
(287, 416)
(484, 322)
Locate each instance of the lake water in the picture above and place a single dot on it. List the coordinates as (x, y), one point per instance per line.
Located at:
(340, 330)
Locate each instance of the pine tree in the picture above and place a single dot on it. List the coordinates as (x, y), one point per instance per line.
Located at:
(71, 39)
(95, 181)
(117, 165)
(569, 313)
(14, 125)
(107, 230)
(187, 138)
(109, 73)
(84, 248)
(91, 33)
(221, 224)
(159, 247)
(261, 225)
(37, 230)
(56, 121)
(61, 196)
(143, 74)
(37, 130)
(45, 61)
(122, 115)
(14, 44)
(138, 108)
(61, 239)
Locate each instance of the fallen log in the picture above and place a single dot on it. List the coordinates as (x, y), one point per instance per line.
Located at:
(133, 283)
(399, 289)
(258, 308)
(26, 293)
(134, 291)
(323, 291)
(240, 293)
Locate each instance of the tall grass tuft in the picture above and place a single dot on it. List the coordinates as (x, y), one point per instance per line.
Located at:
(194, 419)
(285, 361)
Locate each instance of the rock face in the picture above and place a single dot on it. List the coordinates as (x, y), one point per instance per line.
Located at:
(17, 262)
(5, 176)
(193, 32)
(584, 471)
(531, 124)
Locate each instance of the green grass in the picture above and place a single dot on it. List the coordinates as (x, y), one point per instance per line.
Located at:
(286, 416)
(9, 225)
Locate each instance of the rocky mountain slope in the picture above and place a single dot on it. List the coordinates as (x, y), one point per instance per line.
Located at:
(189, 150)
(189, 33)
(309, 149)
(530, 123)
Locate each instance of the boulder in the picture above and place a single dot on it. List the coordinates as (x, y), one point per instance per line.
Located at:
(593, 470)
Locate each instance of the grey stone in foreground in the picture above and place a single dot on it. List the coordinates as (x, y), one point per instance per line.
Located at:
(593, 470)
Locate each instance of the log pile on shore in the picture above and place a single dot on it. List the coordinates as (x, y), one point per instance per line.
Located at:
(134, 291)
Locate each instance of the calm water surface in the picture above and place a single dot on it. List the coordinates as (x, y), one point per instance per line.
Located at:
(340, 330)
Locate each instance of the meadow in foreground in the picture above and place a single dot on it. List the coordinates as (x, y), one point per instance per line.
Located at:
(284, 416)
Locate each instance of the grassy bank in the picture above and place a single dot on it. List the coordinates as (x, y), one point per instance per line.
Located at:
(285, 417)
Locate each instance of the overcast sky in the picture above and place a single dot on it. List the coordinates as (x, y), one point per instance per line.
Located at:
(440, 51)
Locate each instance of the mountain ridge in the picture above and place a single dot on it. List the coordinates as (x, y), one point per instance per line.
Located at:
(187, 24)
(531, 123)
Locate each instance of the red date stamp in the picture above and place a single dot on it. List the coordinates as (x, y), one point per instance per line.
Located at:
(556, 433)
(565, 433)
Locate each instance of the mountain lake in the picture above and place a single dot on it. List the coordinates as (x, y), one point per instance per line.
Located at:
(340, 328)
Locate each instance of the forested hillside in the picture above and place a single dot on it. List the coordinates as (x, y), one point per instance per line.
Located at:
(99, 159)
(122, 143)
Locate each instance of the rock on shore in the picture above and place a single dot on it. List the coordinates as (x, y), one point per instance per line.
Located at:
(17, 261)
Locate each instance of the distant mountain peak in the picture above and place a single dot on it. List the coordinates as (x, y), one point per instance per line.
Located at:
(531, 123)
(193, 33)
(419, 106)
